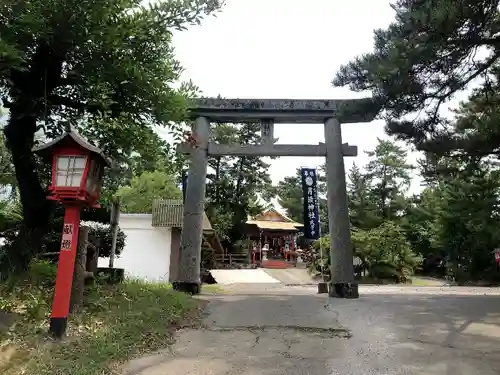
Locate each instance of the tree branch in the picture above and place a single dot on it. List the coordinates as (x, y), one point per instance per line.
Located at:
(58, 100)
(493, 42)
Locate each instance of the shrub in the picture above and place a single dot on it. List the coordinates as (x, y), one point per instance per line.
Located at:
(29, 293)
(42, 272)
(102, 232)
(317, 257)
(384, 251)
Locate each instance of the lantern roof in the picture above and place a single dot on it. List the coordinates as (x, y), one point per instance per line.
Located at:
(69, 138)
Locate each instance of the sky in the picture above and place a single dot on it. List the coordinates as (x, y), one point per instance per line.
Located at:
(286, 49)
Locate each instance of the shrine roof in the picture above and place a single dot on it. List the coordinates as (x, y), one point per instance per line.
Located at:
(274, 220)
(170, 213)
(44, 150)
(275, 225)
(285, 110)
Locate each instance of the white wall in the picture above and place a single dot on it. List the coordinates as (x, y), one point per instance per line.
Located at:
(146, 254)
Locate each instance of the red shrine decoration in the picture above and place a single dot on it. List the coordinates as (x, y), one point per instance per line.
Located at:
(77, 172)
(496, 254)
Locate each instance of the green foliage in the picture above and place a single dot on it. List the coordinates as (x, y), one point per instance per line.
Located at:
(128, 68)
(363, 209)
(42, 272)
(319, 258)
(105, 235)
(26, 294)
(102, 233)
(389, 176)
(158, 156)
(7, 175)
(11, 216)
(468, 218)
(221, 220)
(139, 196)
(432, 50)
(108, 69)
(120, 84)
(419, 222)
(426, 55)
(376, 198)
(378, 193)
(207, 256)
(116, 323)
(290, 197)
(235, 183)
(454, 219)
(386, 252)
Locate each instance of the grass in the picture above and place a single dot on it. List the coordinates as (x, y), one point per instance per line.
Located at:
(420, 282)
(212, 289)
(416, 281)
(117, 323)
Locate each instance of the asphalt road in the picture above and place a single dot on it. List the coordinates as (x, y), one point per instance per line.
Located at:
(272, 330)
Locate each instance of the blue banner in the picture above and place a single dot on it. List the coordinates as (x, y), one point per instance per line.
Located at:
(311, 212)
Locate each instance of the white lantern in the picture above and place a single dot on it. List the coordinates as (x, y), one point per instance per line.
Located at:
(70, 170)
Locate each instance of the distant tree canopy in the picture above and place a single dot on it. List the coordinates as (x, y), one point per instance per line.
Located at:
(234, 183)
(139, 196)
(290, 196)
(105, 67)
(432, 50)
(448, 229)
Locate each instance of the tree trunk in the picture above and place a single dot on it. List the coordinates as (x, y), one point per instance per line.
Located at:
(239, 180)
(383, 192)
(19, 134)
(216, 182)
(79, 274)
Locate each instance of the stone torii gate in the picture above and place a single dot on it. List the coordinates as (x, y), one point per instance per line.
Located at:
(268, 112)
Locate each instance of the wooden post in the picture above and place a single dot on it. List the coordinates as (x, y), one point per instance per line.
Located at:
(249, 250)
(115, 218)
(93, 254)
(79, 273)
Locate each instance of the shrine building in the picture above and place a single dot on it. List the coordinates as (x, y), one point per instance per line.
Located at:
(272, 237)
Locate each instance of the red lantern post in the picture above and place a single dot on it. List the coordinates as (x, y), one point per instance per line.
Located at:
(77, 171)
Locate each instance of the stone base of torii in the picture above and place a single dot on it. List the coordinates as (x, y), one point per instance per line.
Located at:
(268, 112)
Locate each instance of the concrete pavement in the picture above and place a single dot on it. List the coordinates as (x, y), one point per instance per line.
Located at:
(291, 276)
(288, 276)
(272, 330)
(236, 276)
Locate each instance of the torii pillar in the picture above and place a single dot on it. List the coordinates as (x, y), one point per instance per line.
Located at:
(268, 112)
